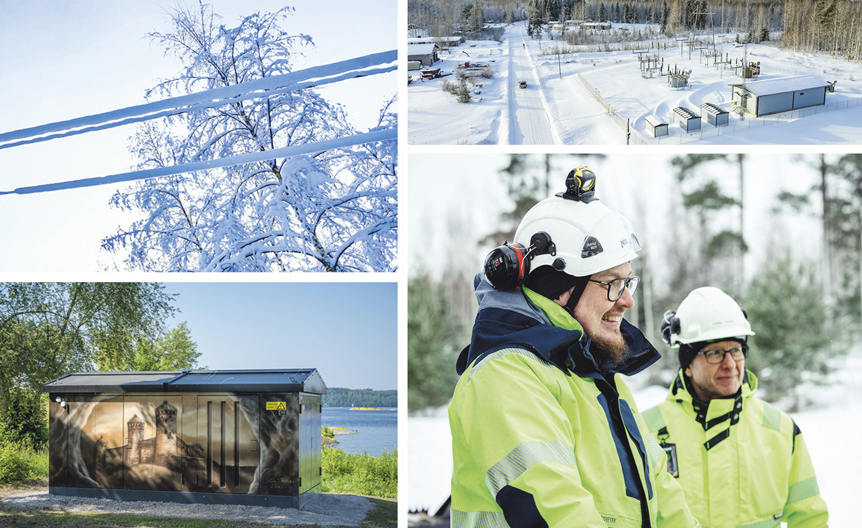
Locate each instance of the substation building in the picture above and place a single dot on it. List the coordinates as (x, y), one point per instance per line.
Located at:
(764, 97)
(655, 126)
(715, 116)
(686, 119)
(236, 437)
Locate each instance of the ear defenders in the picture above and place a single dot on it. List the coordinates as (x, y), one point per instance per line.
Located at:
(670, 326)
(508, 265)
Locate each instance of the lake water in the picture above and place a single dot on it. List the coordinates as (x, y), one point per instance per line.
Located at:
(376, 431)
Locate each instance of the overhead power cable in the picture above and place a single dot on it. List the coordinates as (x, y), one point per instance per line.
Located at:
(374, 135)
(373, 64)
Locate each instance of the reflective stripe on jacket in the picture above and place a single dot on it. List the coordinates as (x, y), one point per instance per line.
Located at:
(741, 461)
(537, 444)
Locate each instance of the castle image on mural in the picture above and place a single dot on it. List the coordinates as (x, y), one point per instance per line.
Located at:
(161, 450)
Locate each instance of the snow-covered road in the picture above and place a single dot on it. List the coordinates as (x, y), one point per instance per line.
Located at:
(529, 123)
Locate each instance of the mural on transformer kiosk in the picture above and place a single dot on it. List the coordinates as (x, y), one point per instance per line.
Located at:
(199, 443)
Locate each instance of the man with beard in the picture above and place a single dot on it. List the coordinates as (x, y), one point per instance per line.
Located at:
(544, 430)
(741, 461)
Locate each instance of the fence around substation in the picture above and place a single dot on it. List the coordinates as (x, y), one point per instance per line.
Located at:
(620, 121)
(748, 122)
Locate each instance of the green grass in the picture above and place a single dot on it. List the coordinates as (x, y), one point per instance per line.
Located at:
(360, 473)
(384, 514)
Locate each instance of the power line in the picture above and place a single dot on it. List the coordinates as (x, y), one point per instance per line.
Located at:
(307, 78)
(374, 135)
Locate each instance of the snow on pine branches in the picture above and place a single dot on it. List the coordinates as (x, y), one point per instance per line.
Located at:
(332, 210)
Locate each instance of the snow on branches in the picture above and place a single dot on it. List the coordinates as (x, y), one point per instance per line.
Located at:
(332, 210)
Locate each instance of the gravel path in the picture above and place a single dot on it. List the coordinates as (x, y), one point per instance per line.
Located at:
(322, 510)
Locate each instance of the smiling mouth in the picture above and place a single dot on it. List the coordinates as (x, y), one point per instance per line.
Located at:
(613, 318)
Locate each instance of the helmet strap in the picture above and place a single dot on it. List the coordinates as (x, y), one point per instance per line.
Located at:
(580, 286)
(551, 283)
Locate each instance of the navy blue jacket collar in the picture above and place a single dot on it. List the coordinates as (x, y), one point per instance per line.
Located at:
(508, 319)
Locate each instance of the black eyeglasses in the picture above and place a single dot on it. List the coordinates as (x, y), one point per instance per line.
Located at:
(616, 287)
(717, 356)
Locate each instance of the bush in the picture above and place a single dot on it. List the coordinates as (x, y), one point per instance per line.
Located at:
(20, 462)
(360, 473)
(327, 432)
(463, 93)
(24, 418)
(459, 90)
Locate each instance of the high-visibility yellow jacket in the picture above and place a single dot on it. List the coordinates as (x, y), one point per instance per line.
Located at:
(741, 461)
(542, 436)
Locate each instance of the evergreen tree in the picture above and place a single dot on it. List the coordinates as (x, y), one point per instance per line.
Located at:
(842, 203)
(665, 13)
(435, 336)
(720, 250)
(535, 22)
(791, 344)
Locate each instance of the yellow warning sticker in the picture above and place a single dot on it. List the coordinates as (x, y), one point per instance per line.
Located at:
(276, 406)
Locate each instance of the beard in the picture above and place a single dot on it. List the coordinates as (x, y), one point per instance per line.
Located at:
(611, 351)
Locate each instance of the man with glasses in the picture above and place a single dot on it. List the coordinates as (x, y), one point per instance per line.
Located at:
(741, 461)
(544, 430)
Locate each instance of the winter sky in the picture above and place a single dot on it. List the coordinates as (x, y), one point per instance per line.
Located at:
(63, 60)
(347, 331)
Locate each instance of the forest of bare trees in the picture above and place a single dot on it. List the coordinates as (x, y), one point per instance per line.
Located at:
(833, 26)
(445, 17)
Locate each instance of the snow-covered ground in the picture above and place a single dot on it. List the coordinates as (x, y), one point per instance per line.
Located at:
(558, 106)
(831, 428)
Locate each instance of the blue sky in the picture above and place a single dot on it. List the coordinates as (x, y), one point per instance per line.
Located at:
(348, 331)
(63, 60)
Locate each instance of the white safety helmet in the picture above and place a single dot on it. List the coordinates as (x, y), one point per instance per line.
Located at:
(706, 314)
(588, 236)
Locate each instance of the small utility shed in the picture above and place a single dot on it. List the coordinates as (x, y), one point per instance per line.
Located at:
(686, 119)
(715, 116)
(237, 437)
(772, 96)
(655, 126)
(424, 53)
(440, 41)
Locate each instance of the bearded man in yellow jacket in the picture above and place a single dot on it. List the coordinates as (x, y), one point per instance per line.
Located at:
(544, 430)
(741, 461)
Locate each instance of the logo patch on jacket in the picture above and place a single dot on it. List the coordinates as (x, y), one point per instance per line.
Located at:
(672, 465)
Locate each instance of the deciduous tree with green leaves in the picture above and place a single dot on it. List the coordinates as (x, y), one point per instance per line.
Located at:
(175, 350)
(51, 329)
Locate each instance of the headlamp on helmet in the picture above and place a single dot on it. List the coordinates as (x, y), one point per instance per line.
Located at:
(583, 235)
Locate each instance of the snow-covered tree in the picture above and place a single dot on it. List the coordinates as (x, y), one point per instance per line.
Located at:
(332, 210)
